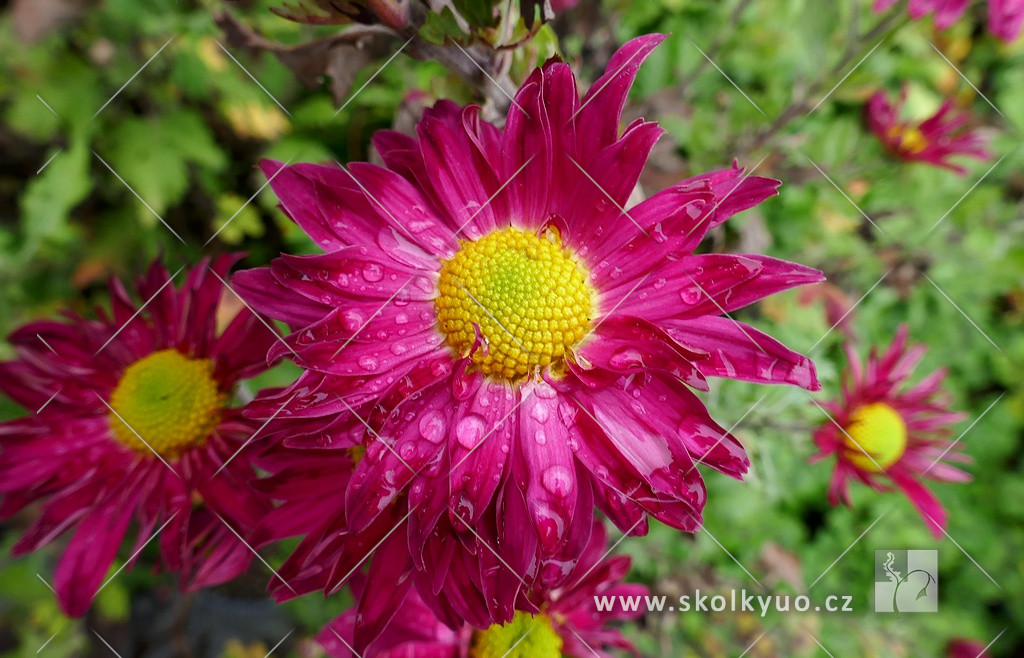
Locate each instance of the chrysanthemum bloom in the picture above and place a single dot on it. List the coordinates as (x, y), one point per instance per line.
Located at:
(572, 621)
(934, 140)
(487, 307)
(131, 422)
(1005, 17)
(883, 436)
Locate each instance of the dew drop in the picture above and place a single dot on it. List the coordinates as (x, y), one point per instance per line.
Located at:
(558, 480)
(352, 319)
(373, 272)
(470, 431)
(690, 295)
(432, 427)
(540, 412)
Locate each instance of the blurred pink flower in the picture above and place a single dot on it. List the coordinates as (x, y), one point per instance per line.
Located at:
(934, 140)
(1005, 17)
(134, 424)
(883, 435)
(963, 648)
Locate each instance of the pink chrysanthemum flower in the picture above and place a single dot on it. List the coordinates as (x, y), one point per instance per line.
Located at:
(881, 434)
(134, 424)
(572, 621)
(519, 340)
(1005, 17)
(934, 140)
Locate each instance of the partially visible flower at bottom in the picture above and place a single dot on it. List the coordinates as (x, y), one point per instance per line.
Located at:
(960, 647)
(548, 624)
(131, 421)
(880, 433)
(933, 141)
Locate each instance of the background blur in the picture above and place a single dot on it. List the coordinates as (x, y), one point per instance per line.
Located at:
(123, 123)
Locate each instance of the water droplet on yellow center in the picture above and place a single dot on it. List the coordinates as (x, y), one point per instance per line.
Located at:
(878, 430)
(526, 636)
(166, 400)
(528, 295)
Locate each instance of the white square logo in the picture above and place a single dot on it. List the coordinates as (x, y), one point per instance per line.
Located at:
(906, 581)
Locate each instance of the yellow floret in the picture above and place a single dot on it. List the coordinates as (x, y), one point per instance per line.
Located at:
(165, 402)
(527, 294)
(878, 430)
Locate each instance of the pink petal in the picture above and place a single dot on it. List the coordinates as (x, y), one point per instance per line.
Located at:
(738, 351)
(90, 553)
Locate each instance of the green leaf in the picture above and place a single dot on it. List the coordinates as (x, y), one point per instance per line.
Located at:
(236, 219)
(153, 154)
(478, 13)
(441, 26)
(50, 196)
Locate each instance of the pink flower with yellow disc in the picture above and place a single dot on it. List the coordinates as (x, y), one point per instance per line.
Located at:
(887, 435)
(933, 141)
(505, 340)
(130, 420)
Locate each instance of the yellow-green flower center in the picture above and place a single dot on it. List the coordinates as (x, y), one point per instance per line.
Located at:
(878, 430)
(911, 139)
(166, 402)
(527, 294)
(526, 636)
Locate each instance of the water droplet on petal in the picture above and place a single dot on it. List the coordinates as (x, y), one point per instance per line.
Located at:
(373, 272)
(540, 412)
(401, 318)
(432, 427)
(470, 431)
(545, 391)
(558, 480)
(352, 319)
(690, 295)
(368, 362)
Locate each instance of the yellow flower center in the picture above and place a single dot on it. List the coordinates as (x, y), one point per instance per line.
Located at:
(528, 296)
(910, 138)
(526, 636)
(166, 402)
(878, 430)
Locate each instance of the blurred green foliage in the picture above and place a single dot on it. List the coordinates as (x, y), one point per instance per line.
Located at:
(100, 154)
